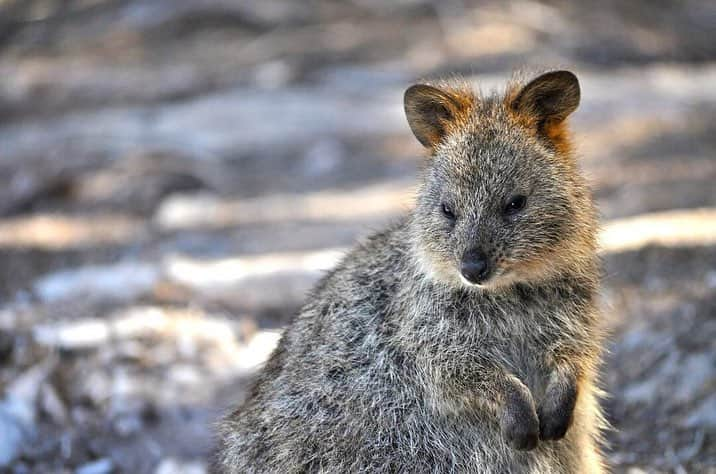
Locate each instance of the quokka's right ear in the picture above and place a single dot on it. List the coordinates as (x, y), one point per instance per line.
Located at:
(549, 98)
(431, 111)
(546, 102)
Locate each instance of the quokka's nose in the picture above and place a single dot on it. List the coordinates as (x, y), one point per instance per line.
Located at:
(475, 266)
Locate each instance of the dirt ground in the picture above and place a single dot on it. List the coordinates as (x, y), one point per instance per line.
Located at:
(175, 175)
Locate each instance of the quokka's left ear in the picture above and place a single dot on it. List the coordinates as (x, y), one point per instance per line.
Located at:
(549, 98)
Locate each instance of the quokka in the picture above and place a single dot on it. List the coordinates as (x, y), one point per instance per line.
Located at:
(466, 337)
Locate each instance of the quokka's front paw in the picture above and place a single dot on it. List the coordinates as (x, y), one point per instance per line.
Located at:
(519, 423)
(522, 434)
(553, 426)
(556, 412)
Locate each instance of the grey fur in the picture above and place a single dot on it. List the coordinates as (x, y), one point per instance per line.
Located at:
(395, 364)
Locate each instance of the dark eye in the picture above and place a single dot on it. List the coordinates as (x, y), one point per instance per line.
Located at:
(515, 205)
(447, 211)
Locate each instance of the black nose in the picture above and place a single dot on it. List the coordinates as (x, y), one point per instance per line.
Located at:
(474, 266)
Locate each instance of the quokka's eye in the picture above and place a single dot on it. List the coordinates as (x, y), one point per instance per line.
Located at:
(515, 205)
(447, 211)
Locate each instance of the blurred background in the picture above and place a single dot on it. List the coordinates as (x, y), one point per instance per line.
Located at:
(175, 175)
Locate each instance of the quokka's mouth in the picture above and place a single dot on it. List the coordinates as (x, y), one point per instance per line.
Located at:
(467, 282)
(500, 278)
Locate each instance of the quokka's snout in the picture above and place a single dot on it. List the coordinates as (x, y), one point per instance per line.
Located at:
(475, 266)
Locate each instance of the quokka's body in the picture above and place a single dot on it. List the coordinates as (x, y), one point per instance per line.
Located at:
(465, 337)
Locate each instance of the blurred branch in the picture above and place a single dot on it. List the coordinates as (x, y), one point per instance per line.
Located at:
(17, 16)
(9, 12)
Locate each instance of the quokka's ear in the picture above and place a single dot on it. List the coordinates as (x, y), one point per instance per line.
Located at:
(549, 98)
(430, 112)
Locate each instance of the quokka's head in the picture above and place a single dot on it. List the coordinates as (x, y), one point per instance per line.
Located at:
(502, 199)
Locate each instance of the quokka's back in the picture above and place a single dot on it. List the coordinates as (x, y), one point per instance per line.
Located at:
(465, 337)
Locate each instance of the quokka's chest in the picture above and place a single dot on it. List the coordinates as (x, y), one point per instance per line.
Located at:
(522, 326)
(523, 338)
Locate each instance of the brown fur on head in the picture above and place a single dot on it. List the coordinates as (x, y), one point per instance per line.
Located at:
(502, 200)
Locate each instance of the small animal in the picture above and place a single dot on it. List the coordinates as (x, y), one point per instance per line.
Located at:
(465, 337)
